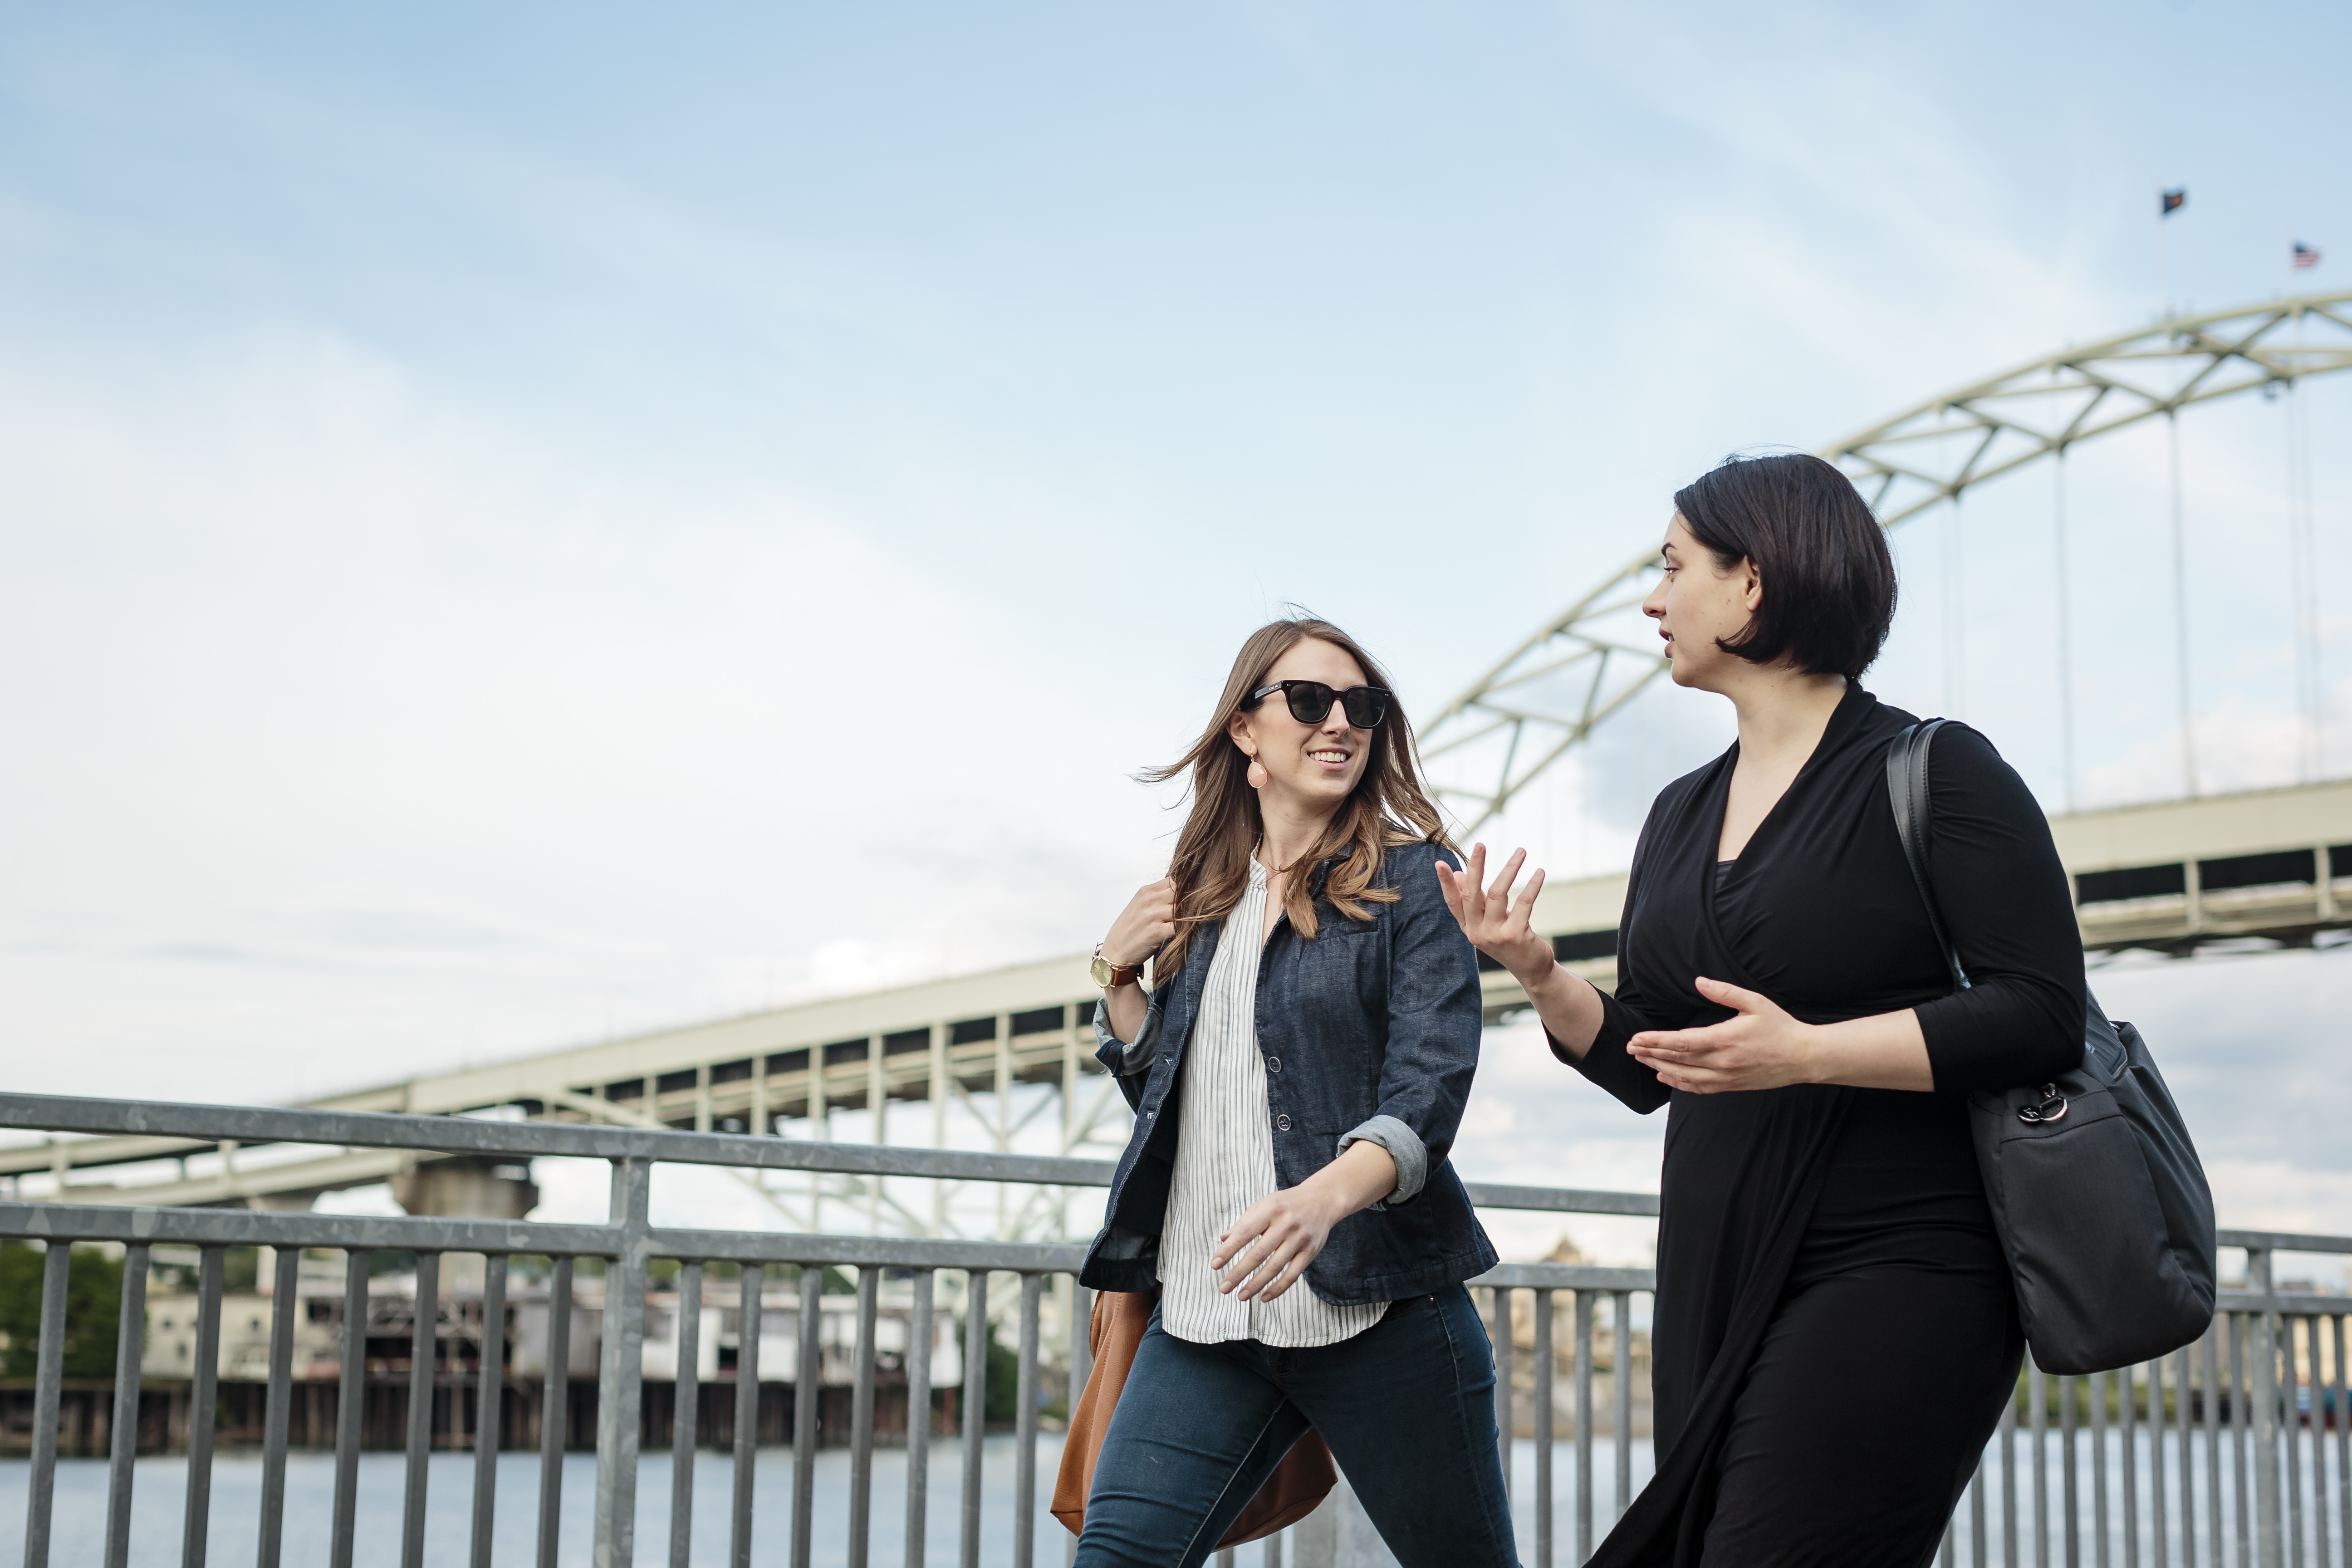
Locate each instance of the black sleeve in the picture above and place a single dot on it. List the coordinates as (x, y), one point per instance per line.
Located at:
(2006, 907)
(1605, 1063)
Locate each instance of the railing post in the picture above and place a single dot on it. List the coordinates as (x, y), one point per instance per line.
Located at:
(861, 1406)
(975, 1409)
(2097, 1387)
(1506, 1428)
(422, 1354)
(2009, 1483)
(919, 1333)
(620, 1380)
(2037, 1411)
(284, 1307)
(1547, 1377)
(2290, 1378)
(2158, 1540)
(195, 1528)
(2183, 1416)
(2241, 1457)
(685, 1415)
(1621, 1386)
(554, 1411)
(751, 1282)
(1583, 1309)
(130, 1338)
(488, 1403)
(1024, 1419)
(2069, 1486)
(2264, 1396)
(2341, 1410)
(1082, 1351)
(808, 1393)
(2216, 1526)
(351, 1404)
(49, 1381)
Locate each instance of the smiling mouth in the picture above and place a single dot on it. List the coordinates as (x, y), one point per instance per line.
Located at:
(1336, 757)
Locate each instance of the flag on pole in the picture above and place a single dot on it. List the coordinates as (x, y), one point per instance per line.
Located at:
(2172, 201)
(2306, 257)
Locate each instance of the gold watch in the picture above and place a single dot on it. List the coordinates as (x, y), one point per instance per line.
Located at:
(1111, 977)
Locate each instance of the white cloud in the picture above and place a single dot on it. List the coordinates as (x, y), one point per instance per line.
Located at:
(344, 694)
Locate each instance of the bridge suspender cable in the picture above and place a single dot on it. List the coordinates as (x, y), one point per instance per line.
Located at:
(1956, 648)
(2311, 693)
(2181, 609)
(2066, 627)
(1544, 698)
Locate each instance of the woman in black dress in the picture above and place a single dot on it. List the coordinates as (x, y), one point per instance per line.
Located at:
(1835, 1330)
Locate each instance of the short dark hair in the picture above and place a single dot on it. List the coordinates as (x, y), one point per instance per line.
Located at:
(1829, 581)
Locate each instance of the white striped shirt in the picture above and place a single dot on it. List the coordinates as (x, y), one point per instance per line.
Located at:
(1224, 1161)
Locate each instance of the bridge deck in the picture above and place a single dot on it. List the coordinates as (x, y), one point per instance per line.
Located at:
(2270, 866)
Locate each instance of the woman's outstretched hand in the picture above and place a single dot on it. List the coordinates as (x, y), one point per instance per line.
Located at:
(1760, 1047)
(1495, 925)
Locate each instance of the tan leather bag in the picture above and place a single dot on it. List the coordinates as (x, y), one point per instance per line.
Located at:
(1289, 1495)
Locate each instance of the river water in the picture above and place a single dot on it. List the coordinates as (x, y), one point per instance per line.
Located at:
(160, 1494)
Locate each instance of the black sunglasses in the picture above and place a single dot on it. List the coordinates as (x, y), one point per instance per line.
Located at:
(1310, 701)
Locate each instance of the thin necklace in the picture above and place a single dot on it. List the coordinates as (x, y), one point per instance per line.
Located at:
(1276, 871)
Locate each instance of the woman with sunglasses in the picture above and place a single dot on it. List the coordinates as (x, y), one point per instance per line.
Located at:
(1297, 1069)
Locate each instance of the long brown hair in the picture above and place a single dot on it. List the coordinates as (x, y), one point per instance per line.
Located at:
(1211, 865)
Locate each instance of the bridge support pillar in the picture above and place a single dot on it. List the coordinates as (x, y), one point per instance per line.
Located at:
(467, 1189)
(461, 1188)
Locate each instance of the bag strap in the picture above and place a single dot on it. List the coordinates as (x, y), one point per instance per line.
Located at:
(1907, 791)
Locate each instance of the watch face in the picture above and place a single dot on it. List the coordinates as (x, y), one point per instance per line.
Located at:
(1101, 971)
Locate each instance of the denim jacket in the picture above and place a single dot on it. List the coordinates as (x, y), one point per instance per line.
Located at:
(1375, 1025)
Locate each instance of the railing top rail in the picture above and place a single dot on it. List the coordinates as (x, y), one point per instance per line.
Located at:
(528, 1139)
(2294, 1304)
(2282, 1241)
(420, 1233)
(410, 1233)
(1560, 1200)
(1566, 1277)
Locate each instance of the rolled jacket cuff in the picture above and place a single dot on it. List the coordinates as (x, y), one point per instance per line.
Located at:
(1404, 1146)
(1128, 1058)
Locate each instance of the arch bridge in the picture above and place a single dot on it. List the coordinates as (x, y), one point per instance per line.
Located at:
(2262, 868)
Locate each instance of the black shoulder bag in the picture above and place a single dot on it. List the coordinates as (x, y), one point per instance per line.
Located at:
(2096, 1188)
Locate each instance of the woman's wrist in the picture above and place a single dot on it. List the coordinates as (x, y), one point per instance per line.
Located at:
(1534, 968)
(1818, 1051)
(1357, 1178)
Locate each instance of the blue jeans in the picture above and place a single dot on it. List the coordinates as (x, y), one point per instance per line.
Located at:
(1408, 1407)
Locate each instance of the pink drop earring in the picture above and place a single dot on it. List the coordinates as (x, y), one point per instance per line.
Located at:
(1257, 774)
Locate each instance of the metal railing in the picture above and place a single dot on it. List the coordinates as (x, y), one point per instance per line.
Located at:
(2219, 1456)
(625, 1248)
(2232, 1451)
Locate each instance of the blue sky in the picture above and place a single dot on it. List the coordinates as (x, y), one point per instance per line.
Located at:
(519, 526)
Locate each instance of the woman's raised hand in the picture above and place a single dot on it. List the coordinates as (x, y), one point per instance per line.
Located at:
(1495, 925)
(1145, 926)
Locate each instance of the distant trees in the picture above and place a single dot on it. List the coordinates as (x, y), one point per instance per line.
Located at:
(93, 1310)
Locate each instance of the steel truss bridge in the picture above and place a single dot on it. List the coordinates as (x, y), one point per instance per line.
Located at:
(1548, 695)
(2263, 869)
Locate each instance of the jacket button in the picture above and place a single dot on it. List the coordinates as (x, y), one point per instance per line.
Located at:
(1282, 1124)
(1274, 1064)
